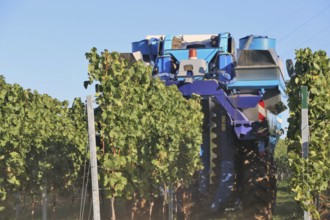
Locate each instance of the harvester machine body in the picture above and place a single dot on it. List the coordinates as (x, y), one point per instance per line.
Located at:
(242, 94)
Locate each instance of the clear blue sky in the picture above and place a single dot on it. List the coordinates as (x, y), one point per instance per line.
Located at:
(43, 42)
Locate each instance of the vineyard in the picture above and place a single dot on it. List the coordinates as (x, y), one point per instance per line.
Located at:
(42, 146)
(148, 144)
(310, 176)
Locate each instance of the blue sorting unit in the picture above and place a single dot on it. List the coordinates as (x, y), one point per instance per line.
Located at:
(258, 43)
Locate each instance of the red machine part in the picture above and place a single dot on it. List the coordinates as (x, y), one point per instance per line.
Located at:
(192, 54)
(261, 110)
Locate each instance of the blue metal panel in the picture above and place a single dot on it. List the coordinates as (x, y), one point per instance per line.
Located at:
(205, 54)
(258, 43)
(153, 44)
(226, 67)
(168, 42)
(262, 84)
(141, 46)
(178, 54)
(266, 84)
(224, 42)
(164, 64)
(147, 47)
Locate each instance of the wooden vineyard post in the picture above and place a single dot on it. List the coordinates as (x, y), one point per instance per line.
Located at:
(93, 160)
(304, 131)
